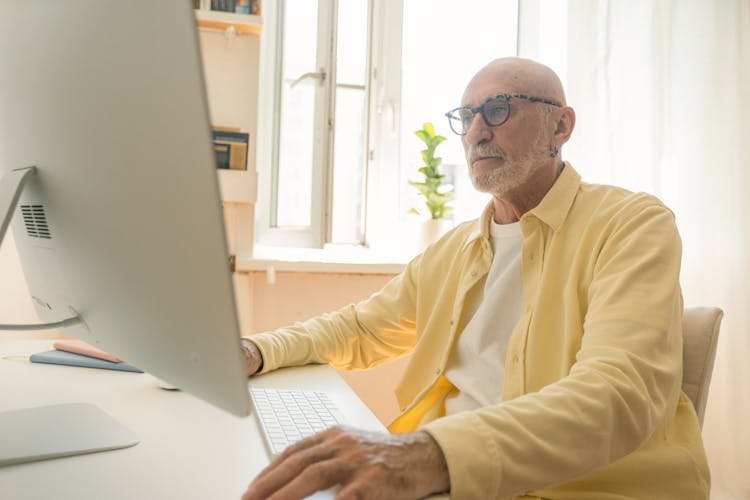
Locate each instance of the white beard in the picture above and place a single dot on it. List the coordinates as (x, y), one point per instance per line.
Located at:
(512, 173)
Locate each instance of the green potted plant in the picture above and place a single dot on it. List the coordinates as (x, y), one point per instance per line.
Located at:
(433, 189)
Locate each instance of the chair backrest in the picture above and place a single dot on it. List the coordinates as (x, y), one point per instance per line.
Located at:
(700, 332)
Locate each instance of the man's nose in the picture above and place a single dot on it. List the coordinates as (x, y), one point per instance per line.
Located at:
(478, 132)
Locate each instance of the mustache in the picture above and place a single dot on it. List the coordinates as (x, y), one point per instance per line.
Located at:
(478, 151)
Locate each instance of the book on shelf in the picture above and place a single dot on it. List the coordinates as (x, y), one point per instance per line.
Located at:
(231, 6)
(242, 6)
(237, 6)
(230, 148)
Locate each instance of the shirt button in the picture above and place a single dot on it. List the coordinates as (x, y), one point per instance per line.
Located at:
(515, 358)
(473, 274)
(437, 371)
(531, 256)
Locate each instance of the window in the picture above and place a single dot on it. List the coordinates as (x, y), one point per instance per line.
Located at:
(320, 125)
(346, 84)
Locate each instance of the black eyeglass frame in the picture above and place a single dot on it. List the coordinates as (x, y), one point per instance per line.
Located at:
(480, 109)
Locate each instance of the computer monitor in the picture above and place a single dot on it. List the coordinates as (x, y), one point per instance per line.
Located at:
(121, 223)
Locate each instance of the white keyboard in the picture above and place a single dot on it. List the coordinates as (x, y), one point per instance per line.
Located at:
(286, 416)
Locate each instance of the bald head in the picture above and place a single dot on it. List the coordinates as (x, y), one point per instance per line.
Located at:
(520, 75)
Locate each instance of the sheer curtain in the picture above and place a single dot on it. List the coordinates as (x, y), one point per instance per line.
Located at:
(662, 94)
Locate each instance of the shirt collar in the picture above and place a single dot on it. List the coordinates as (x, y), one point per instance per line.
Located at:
(482, 225)
(552, 210)
(555, 206)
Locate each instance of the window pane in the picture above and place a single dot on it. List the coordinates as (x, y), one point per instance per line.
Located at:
(349, 165)
(296, 156)
(349, 162)
(352, 42)
(297, 112)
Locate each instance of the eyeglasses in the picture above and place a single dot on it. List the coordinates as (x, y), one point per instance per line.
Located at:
(495, 111)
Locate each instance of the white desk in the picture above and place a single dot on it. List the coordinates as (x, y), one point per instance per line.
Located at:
(188, 449)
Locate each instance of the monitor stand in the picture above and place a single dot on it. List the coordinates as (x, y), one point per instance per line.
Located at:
(54, 431)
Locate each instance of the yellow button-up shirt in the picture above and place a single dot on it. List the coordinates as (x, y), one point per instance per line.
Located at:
(592, 406)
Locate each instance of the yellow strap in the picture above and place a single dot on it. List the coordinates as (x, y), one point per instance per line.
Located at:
(410, 419)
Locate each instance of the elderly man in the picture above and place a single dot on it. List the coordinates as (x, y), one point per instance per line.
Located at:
(545, 336)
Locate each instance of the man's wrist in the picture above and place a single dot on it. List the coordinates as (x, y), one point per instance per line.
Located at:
(434, 462)
(253, 357)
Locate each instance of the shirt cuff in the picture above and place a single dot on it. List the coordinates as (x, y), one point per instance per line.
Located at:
(472, 457)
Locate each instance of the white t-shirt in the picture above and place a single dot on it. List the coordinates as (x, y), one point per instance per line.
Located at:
(477, 366)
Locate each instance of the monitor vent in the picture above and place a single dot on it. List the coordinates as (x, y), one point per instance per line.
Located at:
(36, 221)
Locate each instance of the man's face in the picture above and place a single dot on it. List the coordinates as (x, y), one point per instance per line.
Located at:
(503, 158)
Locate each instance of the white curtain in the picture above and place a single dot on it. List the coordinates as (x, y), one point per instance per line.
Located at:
(661, 89)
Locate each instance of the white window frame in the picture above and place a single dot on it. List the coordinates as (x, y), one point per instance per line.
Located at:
(319, 232)
(385, 123)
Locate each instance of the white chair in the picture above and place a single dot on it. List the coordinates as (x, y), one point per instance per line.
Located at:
(700, 332)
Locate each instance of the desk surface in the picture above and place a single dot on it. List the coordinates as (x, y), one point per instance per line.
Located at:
(188, 448)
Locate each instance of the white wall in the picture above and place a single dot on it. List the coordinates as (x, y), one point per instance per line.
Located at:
(230, 65)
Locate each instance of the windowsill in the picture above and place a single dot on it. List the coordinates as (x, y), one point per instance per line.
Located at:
(332, 259)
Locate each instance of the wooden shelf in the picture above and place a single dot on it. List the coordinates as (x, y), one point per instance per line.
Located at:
(238, 186)
(243, 24)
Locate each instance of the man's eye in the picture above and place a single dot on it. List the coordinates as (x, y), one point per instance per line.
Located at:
(466, 116)
(495, 109)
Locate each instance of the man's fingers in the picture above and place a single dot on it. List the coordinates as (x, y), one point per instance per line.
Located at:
(290, 465)
(297, 447)
(315, 477)
(302, 444)
(356, 490)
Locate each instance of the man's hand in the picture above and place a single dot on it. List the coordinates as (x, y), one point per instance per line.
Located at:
(366, 464)
(253, 358)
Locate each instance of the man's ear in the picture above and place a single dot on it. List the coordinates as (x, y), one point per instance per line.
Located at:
(566, 122)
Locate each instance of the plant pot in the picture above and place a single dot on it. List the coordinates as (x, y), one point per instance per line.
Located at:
(430, 230)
